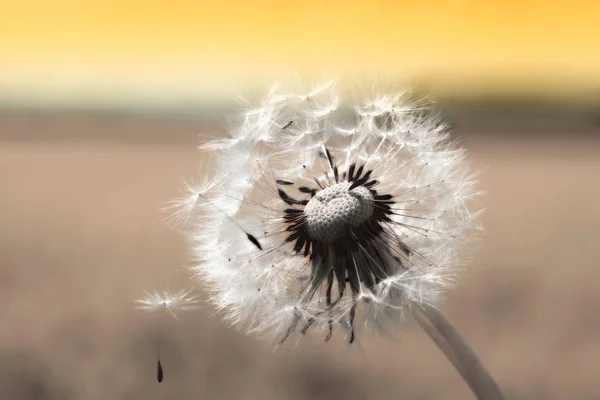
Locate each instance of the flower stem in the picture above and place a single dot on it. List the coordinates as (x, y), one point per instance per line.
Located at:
(457, 350)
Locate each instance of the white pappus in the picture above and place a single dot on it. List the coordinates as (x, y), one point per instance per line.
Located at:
(179, 301)
(325, 212)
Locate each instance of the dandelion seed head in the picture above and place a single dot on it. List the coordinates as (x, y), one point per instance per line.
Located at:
(327, 211)
(336, 209)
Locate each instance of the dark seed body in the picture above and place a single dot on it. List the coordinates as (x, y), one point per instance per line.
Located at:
(159, 373)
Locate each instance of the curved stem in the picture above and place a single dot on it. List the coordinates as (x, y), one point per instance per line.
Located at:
(457, 350)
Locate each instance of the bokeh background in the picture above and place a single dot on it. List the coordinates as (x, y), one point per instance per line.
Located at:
(101, 107)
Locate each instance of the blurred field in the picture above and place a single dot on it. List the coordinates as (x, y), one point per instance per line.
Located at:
(82, 236)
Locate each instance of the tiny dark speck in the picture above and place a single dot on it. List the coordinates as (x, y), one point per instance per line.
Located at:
(159, 375)
(254, 241)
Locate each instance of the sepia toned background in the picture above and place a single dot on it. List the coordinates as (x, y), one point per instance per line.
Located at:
(102, 105)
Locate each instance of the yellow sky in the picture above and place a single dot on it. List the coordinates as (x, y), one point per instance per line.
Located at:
(131, 49)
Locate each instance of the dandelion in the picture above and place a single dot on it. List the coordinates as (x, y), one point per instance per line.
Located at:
(332, 213)
(339, 208)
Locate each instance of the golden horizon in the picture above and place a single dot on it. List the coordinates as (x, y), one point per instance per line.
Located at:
(134, 49)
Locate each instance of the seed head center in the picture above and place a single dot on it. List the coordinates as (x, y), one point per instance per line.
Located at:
(334, 210)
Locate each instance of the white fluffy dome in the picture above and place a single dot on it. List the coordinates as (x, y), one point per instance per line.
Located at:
(323, 212)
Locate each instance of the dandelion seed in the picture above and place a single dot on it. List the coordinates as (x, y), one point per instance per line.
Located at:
(180, 209)
(155, 301)
(180, 301)
(159, 372)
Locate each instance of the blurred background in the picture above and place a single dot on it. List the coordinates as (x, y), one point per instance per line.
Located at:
(101, 107)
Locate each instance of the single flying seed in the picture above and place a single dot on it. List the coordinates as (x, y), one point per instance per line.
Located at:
(159, 372)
